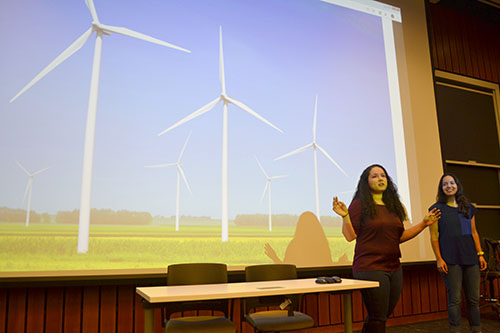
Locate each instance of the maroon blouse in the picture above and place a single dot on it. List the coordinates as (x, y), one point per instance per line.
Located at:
(377, 242)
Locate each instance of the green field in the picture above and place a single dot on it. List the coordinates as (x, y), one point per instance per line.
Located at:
(53, 247)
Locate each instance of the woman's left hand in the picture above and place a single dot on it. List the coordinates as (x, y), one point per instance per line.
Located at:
(482, 263)
(432, 216)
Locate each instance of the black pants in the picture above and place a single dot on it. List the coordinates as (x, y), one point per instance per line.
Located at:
(381, 301)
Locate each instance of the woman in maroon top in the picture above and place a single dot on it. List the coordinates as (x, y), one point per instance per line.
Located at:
(375, 219)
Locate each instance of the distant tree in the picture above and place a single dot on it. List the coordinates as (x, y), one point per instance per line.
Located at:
(17, 215)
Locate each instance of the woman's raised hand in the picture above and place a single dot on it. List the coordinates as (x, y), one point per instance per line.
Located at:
(432, 216)
(339, 207)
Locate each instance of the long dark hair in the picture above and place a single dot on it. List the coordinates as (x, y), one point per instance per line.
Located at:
(462, 201)
(390, 196)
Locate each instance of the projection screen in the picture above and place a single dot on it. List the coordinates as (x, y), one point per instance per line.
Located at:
(140, 134)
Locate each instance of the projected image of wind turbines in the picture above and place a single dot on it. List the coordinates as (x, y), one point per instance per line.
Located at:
(88, 150)
(29, 188)
(315, 147)
(268, 189)
(180, 173)
(226, 100)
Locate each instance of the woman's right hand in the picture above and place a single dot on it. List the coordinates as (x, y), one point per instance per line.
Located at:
(441, 266)
(339, 207)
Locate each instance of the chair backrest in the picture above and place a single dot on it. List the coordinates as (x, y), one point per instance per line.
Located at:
(270, 272)
(197, 273)
(492, 254)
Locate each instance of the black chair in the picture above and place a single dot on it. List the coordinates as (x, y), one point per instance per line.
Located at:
(492, 256)
(282, 319)
(189, 274)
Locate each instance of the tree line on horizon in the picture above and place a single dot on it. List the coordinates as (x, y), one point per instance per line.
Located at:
(125, 217)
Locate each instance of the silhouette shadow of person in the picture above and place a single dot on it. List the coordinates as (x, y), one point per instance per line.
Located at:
(309, 246)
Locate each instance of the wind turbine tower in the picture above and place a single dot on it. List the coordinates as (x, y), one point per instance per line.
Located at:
(180, 173)
(29, 188)
(268, 189)
(88, 150)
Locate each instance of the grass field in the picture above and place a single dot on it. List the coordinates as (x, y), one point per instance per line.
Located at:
(53, 247)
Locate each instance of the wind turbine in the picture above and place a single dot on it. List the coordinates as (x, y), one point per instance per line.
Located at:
(29, 188)
(88, 150)
(315, 146)
(226, 100)
(180, 173)
(268, 189)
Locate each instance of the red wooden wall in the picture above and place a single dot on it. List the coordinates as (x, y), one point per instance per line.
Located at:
(465, 39)
(118, 308)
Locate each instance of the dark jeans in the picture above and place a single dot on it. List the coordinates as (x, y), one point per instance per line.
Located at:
(380, 302)
(469, 278)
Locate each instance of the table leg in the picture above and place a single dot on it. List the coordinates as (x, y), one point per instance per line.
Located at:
(149, 317)
(348, 313)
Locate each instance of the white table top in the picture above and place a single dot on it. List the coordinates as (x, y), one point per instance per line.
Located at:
(247, 289)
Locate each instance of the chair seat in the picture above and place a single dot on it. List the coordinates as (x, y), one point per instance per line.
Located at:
(279, 321)
(200, 324)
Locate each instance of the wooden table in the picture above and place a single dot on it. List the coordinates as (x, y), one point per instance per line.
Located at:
(154, 295)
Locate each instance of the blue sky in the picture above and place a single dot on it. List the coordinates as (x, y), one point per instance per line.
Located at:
(278, 55)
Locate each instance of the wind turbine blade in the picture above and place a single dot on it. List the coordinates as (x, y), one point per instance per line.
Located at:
(193, 115)
(138, 35)
(296, 151)
(184, 147)
(253, 113)
(261, 168)
(264, 193)
(221, 63)
(184, 178)
(77, 44)
(93, 12)
(24, 169)
(331, 159)
(40, 171)
(315, 118)
(161, 165)
(278, 177)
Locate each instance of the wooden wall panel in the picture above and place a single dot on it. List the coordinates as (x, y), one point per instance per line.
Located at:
(16, 310)
(336, 304)
(424, 291)
(406, 295)
(3, 310)
(416, 301)
(35, 310)
(433, 291)
(73, 310)
(54, 310)
(138, 313)
(323, 309)
(90, 311)
(465, 39)
(125, 322)
(107, 322)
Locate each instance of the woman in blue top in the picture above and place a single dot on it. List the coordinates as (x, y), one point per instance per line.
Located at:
(457, 247)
